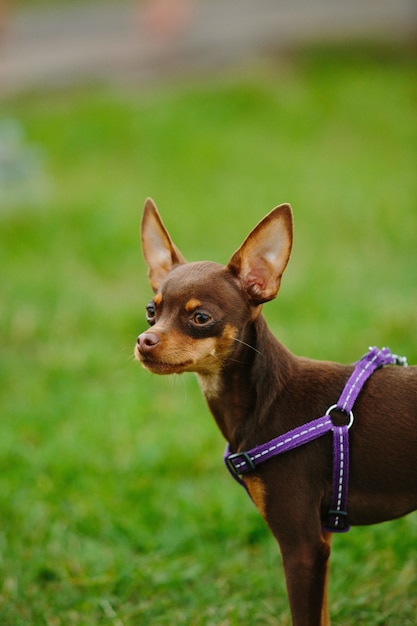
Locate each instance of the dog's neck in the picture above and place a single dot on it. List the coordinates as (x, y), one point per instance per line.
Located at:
(241, 395)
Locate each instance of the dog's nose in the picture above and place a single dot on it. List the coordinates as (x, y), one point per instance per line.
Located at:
(147, 341)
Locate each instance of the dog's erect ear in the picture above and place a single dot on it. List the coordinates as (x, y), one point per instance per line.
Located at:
(262, 258)
(160, 253)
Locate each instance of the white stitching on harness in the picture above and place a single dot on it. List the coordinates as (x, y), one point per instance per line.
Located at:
(283, 443)
(357, 379)
(341, 476)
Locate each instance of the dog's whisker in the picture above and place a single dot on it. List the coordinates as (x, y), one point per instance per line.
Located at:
(247, 345)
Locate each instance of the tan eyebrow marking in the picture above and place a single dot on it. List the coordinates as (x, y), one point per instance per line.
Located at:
(192, 304)
(158, 299)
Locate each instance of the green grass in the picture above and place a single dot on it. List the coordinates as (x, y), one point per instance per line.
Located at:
(115, 508)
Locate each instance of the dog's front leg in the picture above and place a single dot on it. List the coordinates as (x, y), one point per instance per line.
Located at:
(306, 571)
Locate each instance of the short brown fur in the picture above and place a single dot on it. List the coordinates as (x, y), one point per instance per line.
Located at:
(256, 390)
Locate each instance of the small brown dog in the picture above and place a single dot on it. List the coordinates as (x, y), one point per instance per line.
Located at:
(206, 318)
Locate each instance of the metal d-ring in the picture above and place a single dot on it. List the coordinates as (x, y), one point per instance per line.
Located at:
(350, 413)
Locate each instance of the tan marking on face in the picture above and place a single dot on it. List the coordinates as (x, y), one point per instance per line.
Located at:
(177, 353)
(225, 342)
(192, 304)
(229, 332)
(158, 299)
(215, 350)
(257, 492)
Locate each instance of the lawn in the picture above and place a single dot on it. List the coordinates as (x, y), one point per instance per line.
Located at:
(115, 508)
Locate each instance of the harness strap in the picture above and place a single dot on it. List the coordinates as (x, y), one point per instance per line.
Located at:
(241, 463)
(337, 520)
(244, 462)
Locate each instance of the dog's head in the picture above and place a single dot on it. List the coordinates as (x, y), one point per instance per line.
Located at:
(200, 310)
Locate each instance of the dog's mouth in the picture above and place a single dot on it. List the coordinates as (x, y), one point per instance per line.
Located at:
(161, 367)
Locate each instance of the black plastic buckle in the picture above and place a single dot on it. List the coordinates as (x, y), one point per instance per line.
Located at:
(342, 526)
(244, 457)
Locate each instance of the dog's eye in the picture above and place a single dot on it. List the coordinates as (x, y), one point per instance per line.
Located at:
(150, 313)
(200, 318)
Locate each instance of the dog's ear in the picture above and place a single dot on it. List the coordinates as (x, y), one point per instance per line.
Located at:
(262, 258)
(160, 253)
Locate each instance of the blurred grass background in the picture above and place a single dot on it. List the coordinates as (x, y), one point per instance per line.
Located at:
(115, 507)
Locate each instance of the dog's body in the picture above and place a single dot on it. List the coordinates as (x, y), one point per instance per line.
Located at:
(206, 318)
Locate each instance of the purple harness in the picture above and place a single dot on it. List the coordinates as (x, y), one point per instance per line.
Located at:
(244, 462)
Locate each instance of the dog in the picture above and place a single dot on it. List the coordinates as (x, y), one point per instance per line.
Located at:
(207, 318)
